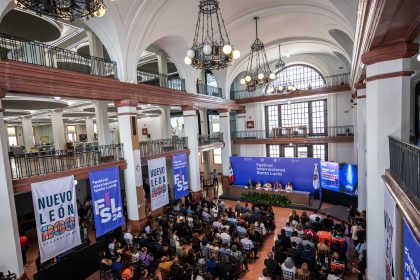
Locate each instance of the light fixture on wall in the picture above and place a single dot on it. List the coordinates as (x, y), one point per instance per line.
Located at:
(64, 9)
(258, 73)
(211, 47)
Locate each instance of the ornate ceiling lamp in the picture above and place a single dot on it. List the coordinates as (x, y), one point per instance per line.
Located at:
(286, 86)
(280, 64)
(64, 9)
(211, 47)
(258, 73)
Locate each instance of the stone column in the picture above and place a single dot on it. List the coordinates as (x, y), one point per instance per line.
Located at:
(102, 123)
(387, 102)
(360, 148)
(10, 256)
(96, 50)
(162, 60)
(165, 122)
(28, 133)
(129, 136)
(90, 131)
(58, 130)
(226, 150)
(241, 127)
(191, 131)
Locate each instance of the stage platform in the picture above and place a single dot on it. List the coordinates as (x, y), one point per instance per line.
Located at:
(337, 212)
(314, 204)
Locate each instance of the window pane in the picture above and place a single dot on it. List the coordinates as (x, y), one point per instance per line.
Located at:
(217, 156)
(12, 140)
(319, 151)
(289, 152)
(302, 152)
(273, 150)
(318, 117)
(273, 117)
(303, 77)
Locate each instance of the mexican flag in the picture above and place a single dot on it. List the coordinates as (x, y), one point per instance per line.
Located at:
(315, 178)
(231, 175)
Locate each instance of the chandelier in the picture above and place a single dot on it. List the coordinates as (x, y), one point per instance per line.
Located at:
(211, 47)
(258, 73)
(65, 9)
(280, 63)
(283, 85)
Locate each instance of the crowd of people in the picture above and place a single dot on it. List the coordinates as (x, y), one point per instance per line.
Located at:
(204, 239)
(315, 247)
(196, 240)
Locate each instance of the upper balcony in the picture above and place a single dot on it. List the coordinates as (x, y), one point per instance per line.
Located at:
(403, 180)
(163, 148)
(335, 83)
(295, 135)
(15, 49)
(160, 80)
(209, 90)
(210, 141)
(48, 163)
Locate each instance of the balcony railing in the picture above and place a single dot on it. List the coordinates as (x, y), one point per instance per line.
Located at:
(160, 80)
(12, 48)
(39, 163)
(405, 164)
(295, 131)
(156, 147)
(209, 90)
(210, 139)
(335, 80)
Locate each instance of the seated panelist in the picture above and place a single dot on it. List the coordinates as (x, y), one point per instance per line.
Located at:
(258, 185)
(267, 185)
(250, 185)
(277, 185)
(289, 187)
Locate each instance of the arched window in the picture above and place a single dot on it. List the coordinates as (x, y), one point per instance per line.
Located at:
(301, 76)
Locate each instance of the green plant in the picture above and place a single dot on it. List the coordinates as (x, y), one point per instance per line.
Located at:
(264, 198)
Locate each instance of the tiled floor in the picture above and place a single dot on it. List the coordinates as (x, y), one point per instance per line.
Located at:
(255, 268)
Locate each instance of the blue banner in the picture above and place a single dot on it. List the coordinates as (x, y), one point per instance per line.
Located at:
(411, 254)
(298, 171)
(106, 199)
(180, 171)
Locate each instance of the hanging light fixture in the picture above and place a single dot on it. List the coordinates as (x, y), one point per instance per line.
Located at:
(280, 63)
(64, 9)
(211, 47)
(282, 84)
(258, 73)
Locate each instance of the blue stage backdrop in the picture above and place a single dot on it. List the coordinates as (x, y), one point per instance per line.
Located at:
(411, 254)
(298, 171)
(180, 171)
(106, 199)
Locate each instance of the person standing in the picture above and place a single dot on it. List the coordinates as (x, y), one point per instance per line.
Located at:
(215, 178)
(23, 246)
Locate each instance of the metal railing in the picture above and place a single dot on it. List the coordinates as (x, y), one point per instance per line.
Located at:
(296, 131)
(209, 90)
(334, 80)
(156, 147)
(405, 164)
(39, 163)
(210, 139)
(12, 48)
(160, 80)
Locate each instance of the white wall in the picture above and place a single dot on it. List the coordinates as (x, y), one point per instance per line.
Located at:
(19, 135)
(115, 132)
(43, 130)
(344, 111)
(153, 125)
